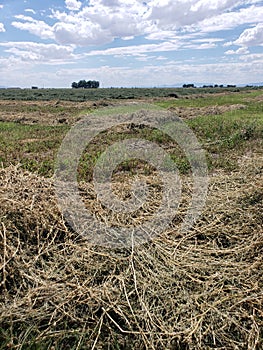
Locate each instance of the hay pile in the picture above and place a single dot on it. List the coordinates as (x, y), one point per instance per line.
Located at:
(202, 290)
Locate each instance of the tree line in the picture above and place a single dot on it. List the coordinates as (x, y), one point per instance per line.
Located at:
(83, 84)
(209, 86)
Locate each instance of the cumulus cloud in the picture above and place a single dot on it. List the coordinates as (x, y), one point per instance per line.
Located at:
(229, 19)
(102, 21)
(73, 5)
(251, 36)
(82, 34)
(174, 14)
(2, 27)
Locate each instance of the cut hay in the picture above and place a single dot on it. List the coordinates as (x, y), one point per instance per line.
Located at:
(201, 290)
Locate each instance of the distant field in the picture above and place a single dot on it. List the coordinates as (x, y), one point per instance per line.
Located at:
(31, 131)
(106, 93)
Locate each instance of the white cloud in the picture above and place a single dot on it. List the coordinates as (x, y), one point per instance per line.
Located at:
(31, 11)
(81, 34)
(2, 28)
(1, 6)
(176, 72)
(39, 52)
(172, 25)
(73, 5)
(39, 28)
(229, 43)
(231, 19)
(164, 20)
(254, 57)
(240, 51)
(206, 40)
(174, 22)
(161, 58)
(101, 22)
(162, 35)
(174, 14)
(204, 46)
(136, 50)
(251, 37)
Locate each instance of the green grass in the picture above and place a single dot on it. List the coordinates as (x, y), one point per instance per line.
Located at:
(213, 100)
(33, 146)
(224, 136)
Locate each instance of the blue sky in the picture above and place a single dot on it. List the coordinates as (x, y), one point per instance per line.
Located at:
(130, 42)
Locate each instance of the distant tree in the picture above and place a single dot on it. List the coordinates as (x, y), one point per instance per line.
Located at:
(94, 84)
(188, 86)
(83, 84)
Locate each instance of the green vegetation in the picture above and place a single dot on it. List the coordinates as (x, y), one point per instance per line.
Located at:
(224, 135)
(244, 96)
(108, 93)
(33, 146)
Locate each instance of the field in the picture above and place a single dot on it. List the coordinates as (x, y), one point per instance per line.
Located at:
(82, 95)
(199, 289)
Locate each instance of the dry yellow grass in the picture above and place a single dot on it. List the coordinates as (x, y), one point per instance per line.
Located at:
(200, 290)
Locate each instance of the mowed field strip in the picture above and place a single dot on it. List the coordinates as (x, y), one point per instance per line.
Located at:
(200, 289)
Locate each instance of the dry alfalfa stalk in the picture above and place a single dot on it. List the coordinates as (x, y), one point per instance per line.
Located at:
(200, 290)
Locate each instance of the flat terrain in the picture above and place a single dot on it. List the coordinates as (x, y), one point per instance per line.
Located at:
(82, 95)
(200, 289)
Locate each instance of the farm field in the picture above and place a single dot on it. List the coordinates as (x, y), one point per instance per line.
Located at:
(200, 289)
(80, 95)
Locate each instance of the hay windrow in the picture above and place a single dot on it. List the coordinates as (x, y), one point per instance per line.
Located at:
(200, 290)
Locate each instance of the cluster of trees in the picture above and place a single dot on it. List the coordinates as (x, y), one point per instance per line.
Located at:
(218, 86)
(83, 84)
(208, 86)
(188, 86)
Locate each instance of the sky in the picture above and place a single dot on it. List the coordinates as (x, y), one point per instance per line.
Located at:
(130, 43)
